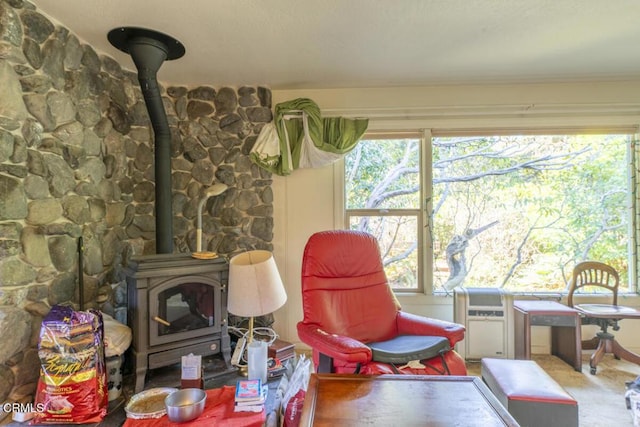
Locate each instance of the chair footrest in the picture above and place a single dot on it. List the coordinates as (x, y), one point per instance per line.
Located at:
(529, 393)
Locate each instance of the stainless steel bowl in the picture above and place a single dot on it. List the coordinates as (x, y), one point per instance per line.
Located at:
(185, 405)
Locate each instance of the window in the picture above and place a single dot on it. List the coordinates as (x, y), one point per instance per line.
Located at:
(382, 188)
(515, 211)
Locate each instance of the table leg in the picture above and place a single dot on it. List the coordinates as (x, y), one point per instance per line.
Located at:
(522, 332)
(565, 343)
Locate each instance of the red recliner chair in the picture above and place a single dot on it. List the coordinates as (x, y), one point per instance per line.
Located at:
(354, 323)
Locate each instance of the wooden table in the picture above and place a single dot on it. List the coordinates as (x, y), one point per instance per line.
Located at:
(401, 400)
(565, 329)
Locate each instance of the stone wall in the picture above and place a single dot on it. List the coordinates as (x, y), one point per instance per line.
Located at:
(76, 160)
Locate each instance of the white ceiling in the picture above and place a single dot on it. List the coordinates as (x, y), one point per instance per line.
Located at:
(287, 44)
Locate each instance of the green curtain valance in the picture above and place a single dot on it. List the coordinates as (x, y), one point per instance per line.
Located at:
(299, 137)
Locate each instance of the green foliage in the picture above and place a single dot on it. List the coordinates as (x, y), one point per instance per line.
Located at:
(383, 174)
(557, 200)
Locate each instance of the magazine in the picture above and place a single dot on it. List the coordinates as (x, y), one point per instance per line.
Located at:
(248, 390)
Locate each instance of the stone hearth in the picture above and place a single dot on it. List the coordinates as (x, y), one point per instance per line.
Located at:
(76, 160)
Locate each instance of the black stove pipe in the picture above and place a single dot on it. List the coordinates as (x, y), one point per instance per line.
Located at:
(149, 49)
(148, 57)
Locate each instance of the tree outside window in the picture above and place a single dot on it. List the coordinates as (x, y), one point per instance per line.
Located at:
(509, 211)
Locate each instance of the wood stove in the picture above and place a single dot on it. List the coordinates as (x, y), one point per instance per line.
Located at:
(176, 305)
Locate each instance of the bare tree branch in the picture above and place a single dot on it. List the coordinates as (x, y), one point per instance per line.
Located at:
(538, 164)
(377, 196)
(525, 238)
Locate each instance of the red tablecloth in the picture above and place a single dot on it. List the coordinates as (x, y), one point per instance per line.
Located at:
(218, 411)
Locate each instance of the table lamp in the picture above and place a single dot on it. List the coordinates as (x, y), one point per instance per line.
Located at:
(255, 289)
(214, 190)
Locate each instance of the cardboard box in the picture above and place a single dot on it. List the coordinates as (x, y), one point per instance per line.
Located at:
(192, 372)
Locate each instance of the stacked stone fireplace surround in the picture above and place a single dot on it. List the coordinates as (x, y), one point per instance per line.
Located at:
(76, 160)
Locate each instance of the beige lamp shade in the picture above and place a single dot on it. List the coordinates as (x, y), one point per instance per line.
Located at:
(255, 286)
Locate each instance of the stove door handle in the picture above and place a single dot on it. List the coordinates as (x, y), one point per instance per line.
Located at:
(161, 320)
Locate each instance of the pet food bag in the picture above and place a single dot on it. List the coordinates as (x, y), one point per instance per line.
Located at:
(293, 399)
(72, 387)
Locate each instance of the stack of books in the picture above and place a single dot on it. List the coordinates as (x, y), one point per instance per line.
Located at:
(275, 369)
(250, 396)
(281, 350)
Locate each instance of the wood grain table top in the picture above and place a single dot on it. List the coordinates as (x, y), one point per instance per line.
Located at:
(401, 400)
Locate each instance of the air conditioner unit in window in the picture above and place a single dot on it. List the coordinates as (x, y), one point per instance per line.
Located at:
(487, 314)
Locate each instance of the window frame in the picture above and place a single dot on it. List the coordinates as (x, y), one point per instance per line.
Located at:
(425, 217)
(420, 213)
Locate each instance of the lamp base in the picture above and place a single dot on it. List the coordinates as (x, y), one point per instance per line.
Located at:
(204, 255)
(243, 370)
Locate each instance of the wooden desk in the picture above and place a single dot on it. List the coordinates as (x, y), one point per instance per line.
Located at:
(401, 400)
(565, 329)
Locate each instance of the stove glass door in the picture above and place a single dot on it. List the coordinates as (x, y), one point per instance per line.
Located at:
(183, 310)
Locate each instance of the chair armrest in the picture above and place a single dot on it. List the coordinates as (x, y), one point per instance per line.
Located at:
(334, 346)
(411, 324)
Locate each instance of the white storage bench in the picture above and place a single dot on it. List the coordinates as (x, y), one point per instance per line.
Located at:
(530, 395)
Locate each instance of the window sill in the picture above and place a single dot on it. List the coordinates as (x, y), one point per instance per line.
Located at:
(418, 298)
